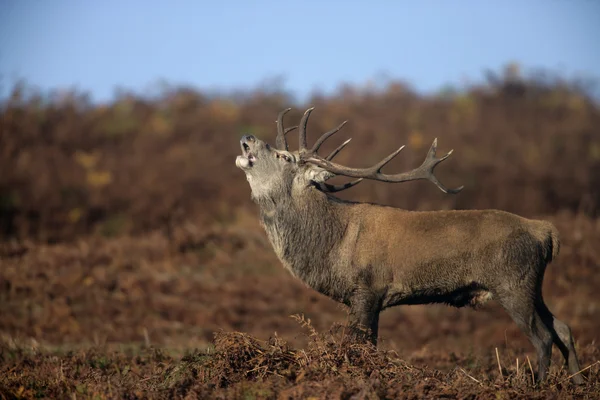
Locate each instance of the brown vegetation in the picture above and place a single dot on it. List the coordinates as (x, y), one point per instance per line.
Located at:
(129, 239)
(244, 367)
(70, 167)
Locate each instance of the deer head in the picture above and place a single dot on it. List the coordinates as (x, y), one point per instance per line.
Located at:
(274, 172)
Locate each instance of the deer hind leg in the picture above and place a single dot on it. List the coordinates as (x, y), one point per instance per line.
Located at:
(520, 305)
(365, 307)
(563, 339)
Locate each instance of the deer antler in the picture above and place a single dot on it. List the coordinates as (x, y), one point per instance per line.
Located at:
(322, 139)
(281, 141)
(336, 151)
(326, 187)
(425, 171)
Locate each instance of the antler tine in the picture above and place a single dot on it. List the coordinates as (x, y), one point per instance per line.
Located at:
(424, 171)
(329, 188)
(337, 150)
(377, 167)
(321, 140)
(288, 130)
(302, 134)
(281, 141)
(326, 136)
(429, 165)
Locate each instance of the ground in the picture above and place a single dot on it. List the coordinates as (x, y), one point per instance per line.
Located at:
(211, 313)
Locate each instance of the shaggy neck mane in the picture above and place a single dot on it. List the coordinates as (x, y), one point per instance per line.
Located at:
(300, 221)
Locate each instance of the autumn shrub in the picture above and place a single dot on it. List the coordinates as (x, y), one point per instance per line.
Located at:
(69, 166)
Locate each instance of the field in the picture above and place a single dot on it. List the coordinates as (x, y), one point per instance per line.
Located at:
(133, 265)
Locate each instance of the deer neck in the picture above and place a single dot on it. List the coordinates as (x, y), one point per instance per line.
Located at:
(306, 220)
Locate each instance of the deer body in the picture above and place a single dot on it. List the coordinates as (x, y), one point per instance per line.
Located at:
(453, 257)
(372, 257)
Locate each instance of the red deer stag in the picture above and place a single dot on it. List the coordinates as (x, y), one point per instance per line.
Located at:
(371, 257)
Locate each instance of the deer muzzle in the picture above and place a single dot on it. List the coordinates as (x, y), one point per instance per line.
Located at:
(247, 158)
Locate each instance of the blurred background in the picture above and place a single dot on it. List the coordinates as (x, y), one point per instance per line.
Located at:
(123, 218)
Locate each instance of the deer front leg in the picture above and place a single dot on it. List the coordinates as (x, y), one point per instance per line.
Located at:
(365, 307)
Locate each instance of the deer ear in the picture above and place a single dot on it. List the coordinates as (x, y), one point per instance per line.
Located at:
(317, 174)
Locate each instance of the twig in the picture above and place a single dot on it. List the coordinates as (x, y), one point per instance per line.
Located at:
(257, 368)
(274, 373)
(465, 372)
(532, 375)
(146, 337)
(517, 367)
(578, 372)
(148, 378)
(499, 366)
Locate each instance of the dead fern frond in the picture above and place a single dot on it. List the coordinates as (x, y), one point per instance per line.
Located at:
(305, 323)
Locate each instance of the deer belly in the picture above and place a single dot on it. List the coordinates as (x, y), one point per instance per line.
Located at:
(473, 295)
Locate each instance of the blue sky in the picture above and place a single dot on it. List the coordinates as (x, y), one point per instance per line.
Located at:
(220, 45)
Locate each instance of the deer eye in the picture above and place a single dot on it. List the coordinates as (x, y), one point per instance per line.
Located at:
(285, 157)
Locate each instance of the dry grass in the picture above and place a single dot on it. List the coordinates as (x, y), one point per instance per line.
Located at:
(242, 366)
(106, 318)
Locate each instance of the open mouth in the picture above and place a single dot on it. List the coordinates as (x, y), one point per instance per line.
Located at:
(247, 159)
(247, 153)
